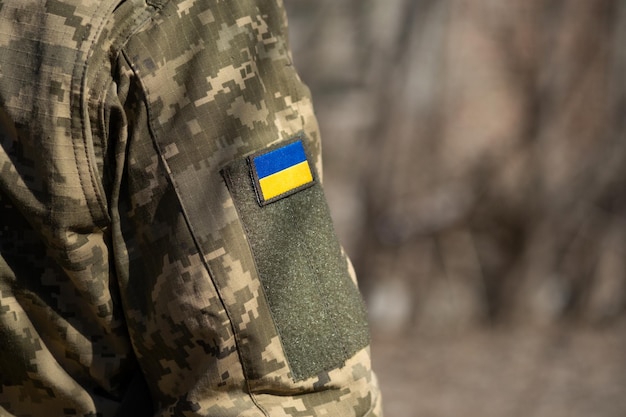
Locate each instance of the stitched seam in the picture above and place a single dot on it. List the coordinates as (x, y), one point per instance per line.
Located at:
(170, 178)
(82, 113)
(84, 102)
(243, 365)
(121, 39)
(228, 178)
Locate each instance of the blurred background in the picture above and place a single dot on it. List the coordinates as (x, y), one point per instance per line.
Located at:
(475, 164)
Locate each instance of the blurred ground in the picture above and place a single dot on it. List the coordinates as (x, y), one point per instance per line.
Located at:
(475, 165)
(505, 372)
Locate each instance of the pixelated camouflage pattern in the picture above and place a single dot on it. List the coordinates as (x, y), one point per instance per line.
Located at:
(122, 255)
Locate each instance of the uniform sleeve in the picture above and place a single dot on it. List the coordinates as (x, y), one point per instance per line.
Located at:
(238, 298)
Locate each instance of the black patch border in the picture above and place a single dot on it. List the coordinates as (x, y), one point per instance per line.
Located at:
(255, 178)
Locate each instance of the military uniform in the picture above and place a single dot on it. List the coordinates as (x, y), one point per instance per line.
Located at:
(165, 245)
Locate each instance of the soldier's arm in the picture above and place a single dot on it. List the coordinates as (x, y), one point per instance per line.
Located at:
(237, 295)
(165, 244)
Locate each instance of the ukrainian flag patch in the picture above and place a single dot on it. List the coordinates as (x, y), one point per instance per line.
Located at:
(280, 172)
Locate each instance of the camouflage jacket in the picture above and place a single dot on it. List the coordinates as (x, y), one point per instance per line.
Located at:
(165, 244)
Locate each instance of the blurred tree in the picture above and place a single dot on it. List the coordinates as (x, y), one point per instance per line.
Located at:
(475, 154)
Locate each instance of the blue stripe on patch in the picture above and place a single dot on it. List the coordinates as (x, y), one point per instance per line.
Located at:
(279, 159)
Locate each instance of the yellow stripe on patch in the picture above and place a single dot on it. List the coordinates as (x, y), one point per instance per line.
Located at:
(285, 180)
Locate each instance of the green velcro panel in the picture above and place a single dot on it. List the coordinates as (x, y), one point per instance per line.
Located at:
(318, 311)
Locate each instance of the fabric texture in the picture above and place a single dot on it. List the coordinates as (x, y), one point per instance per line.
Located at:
(131, 282)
